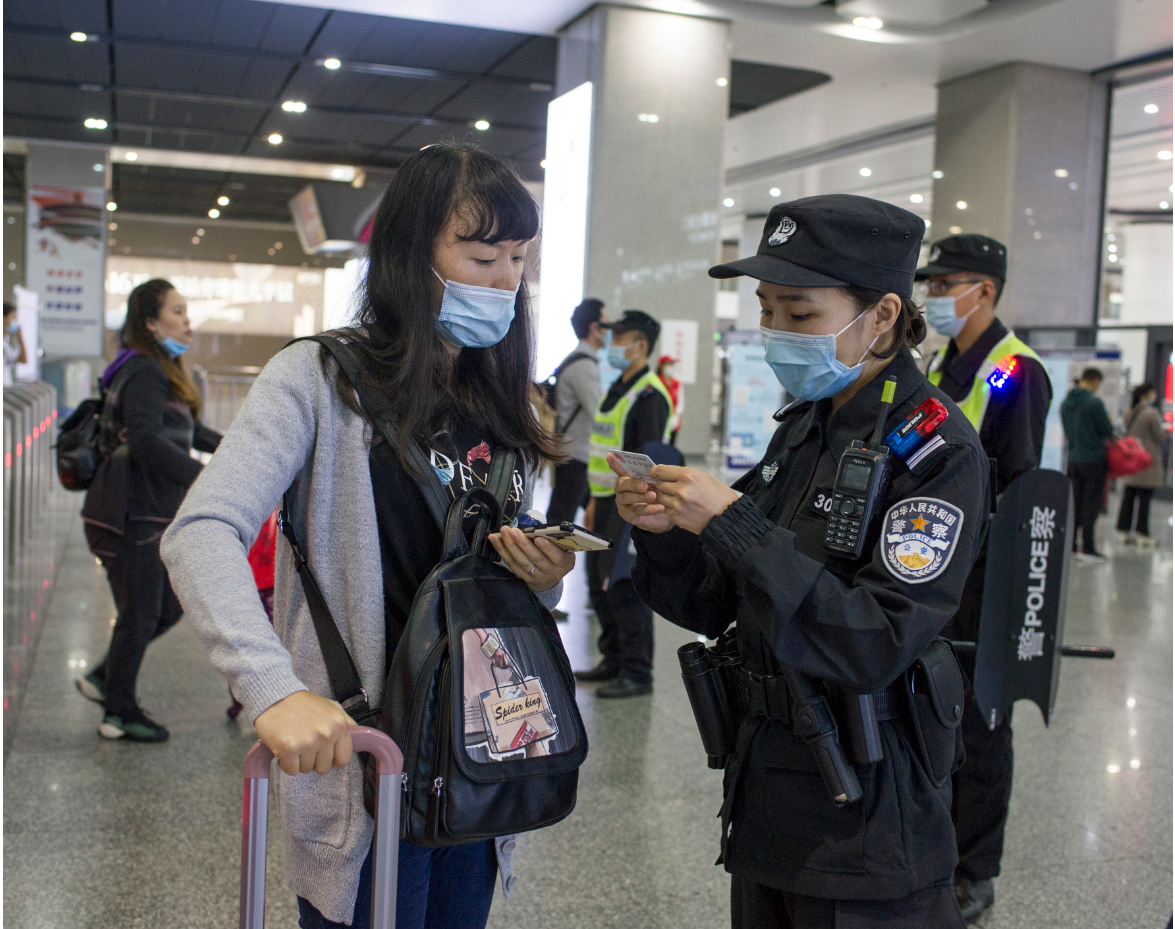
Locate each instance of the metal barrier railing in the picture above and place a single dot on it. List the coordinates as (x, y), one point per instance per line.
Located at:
(30, 544)
(224, 390)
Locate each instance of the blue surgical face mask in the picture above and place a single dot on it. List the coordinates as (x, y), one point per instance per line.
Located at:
(806, 365)
(13, 327)
(172, 347)
(618, 357)
(940, 313)
(474, 317)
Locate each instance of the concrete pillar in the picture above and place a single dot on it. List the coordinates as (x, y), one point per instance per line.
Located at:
(1021, 153)
(657, 122)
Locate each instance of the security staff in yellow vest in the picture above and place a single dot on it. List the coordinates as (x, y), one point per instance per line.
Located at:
(634, 411)
(965, 277)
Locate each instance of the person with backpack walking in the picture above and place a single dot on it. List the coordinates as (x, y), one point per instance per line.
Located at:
(151, 422)
(577, 394)
(1087, 429)
(443, 336)
(1146, 424)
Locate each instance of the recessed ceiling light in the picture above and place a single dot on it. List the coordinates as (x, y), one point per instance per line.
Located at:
(101, 124)
(956, 230)
(937, 175)
(1163, 155)
(1113, 258)
(78, 36)
(961, 204)
(722, 82)
(1061, 172)
(915, 198)
(199, 232)
(1150, 108)
(1113, 768)
(277, 245)
(868, 22)
(728, 202)
(1164, 205)
(214, 213)
(294, 106)
(131, 156)
(338, 172)
(1112, 248)
(195, 240)
(333, 63)
(223, 201)
(866, 172)
(775, 191)
(112, 206)
(1131, 703)
(99, 167)
(482, 125)
(1135, 763)
(275, 138)
(648, 117)
(1110, 236)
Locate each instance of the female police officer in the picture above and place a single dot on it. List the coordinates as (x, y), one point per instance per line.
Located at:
(836, 276)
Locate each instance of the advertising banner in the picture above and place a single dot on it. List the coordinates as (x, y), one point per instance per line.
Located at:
(752, 396)
(66, 241)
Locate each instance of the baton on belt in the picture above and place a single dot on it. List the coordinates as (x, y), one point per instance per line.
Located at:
(389, 762)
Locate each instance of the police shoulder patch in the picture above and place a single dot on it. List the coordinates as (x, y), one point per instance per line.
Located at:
(918, 537)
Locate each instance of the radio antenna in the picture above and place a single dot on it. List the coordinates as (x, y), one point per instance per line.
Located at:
(887, 391)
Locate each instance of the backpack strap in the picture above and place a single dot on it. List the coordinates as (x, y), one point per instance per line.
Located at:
(344, 676)
(567, 363)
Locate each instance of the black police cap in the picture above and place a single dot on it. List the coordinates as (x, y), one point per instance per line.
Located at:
(637, 321)
(979, 254)
(836, 240)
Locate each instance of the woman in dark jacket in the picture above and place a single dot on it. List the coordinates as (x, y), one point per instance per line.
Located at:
(150, 425)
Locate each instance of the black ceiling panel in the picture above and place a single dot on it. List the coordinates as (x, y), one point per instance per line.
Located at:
(211, 75)
(753, 85)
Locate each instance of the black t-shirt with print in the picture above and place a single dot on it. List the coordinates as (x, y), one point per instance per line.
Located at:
(409, 539)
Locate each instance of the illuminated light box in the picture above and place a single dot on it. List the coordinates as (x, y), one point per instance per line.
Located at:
(565, 213)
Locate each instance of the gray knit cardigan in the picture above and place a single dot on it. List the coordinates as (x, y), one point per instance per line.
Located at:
(295, 432)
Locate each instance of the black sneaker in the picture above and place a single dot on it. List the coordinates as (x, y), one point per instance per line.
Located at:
(625, 687)
(92, 687)
(974, 897)
(601, 672)
(135, 726)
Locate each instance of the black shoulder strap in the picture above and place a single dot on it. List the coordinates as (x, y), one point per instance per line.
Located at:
(567, 362)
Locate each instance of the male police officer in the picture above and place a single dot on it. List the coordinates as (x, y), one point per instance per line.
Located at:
(965, 277)
(634, 411)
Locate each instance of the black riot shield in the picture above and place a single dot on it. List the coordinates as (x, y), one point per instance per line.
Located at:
(1025, 589)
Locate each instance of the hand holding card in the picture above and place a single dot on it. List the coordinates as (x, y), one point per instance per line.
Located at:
(635, 464)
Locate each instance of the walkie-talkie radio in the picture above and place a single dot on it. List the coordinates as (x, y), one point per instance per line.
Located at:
(861, 482)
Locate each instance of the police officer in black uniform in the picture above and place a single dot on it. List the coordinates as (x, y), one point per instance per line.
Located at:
(965, 277)
(836, 275)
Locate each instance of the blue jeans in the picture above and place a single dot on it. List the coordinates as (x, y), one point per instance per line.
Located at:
(437, 888)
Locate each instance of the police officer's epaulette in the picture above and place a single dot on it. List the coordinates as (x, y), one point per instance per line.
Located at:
(783, 411)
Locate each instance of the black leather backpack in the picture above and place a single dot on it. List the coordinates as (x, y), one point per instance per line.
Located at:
(479, 695)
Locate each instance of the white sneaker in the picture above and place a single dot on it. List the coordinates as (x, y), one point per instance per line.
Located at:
(1125, 538)
(1088, 558)
(1145, 541)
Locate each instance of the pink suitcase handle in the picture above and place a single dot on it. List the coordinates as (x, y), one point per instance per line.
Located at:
(389, 763)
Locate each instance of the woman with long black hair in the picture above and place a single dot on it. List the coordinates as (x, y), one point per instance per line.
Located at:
(151, 424)
(444, 332)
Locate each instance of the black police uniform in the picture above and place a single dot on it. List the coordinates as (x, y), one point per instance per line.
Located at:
(856, 625)
(1012, 434)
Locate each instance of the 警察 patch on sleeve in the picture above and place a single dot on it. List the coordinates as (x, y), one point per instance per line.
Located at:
(918, 538)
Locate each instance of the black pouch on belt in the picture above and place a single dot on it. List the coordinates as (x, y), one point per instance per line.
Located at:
(935, 700)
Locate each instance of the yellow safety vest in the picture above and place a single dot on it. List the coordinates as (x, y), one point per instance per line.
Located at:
(975, 405)
(608, 432)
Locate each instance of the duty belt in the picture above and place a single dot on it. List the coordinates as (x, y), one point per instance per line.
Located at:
(766, 695)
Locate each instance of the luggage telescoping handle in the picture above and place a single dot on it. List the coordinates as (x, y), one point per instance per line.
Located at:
(389, 763)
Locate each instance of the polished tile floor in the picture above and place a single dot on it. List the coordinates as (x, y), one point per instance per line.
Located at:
(101, 834)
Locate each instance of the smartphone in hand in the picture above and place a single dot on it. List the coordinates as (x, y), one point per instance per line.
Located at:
(569, 536)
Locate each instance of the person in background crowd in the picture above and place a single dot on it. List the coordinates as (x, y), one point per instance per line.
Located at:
(577, 394)
(1087, 428)
(635, 411)
(14, 350)
(1146, 424)
(136, 492)
(964, 280)
(666, 369)
(445, 331)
